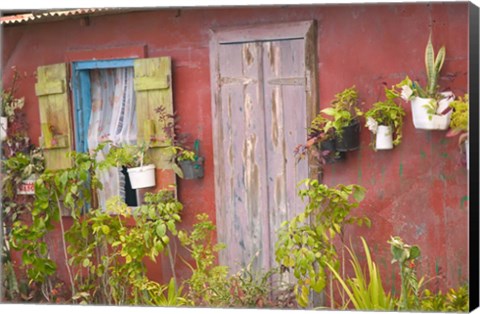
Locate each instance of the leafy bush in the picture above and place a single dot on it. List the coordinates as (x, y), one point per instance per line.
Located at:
(110, 248)
(305, 243)
(455, 300)
(208, 283)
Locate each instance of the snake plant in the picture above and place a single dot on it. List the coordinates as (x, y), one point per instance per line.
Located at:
(433, 66)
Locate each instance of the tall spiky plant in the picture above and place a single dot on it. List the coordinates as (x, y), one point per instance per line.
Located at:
(433, 66)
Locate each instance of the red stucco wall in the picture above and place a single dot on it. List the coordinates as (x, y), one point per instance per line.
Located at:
(416, 191)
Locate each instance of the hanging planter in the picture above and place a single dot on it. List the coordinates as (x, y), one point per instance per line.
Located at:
(430, 109)
(428, 114)
(345, 121)
(191, 163)
(329, 151)
(27, 187)
(192, 169)
(142, 177)
(385, 121)
(134, 157)
(384, 138)
(3, 128)
(349, 138)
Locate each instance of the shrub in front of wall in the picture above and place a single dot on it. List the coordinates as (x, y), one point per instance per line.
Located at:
(305, 243)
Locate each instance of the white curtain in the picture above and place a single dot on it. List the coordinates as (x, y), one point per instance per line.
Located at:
(112, 118)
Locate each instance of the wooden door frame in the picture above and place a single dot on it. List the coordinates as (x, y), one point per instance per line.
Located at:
(305, 30)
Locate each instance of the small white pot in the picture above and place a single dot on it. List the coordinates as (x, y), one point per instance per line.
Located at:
(142, 177)
(3, 128)
(426, 121)
(384, 139)
(27, 187)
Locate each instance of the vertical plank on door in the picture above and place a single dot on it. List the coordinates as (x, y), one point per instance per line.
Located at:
(285, 80)
(254, 157)
(229, 105)
(276, 150)
(295, 127)
(244, 205)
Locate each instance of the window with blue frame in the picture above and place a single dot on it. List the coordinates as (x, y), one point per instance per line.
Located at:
(104, 110)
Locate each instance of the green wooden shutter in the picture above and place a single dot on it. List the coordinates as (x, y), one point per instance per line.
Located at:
(55, 117)
(153, 88)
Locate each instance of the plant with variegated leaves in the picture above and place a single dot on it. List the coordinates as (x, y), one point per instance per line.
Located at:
(433, 66)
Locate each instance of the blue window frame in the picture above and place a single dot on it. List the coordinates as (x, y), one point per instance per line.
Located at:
(81, 88)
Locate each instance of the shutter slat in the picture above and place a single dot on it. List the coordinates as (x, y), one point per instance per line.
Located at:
(151, 83)
(50, 88)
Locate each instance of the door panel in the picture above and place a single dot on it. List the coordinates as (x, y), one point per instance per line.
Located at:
(244, 187)
(284, 90)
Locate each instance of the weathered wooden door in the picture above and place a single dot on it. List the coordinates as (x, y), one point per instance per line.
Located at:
(263, 99)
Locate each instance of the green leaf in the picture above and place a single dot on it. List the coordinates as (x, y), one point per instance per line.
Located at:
(171, 226)
(329, 111)
(63, 178)
(166, 239)
(159, 246)
(414, 252)
(397, 253)
(116, 243)
(146, 235)
(177, 170)
(105, 229)
(304, 295)
(161, 229)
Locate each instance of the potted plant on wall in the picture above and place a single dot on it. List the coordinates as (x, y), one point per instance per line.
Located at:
(385, 121)
(10, 105)
(345, 121)
(430, 109)
(140, 171)
(191, 163)
(320, 142)
(459, 124)
(21, 172)
(187, 164)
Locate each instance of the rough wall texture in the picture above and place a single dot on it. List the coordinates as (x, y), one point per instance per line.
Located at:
(417, 191)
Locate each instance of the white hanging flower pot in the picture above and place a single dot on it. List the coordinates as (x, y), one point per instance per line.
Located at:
(27, 187)
(3, 128)
(384, 138)
(142, 177)
(427, 121)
